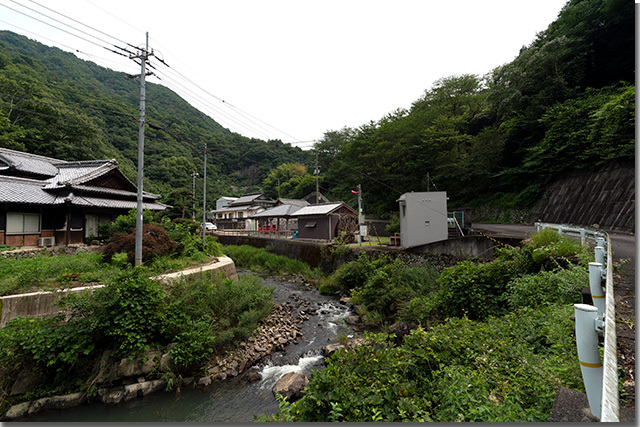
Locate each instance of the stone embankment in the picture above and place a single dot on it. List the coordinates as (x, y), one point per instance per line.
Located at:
(128, 380)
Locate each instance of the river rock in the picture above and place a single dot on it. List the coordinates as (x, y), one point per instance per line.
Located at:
(330, 349)
(111, 395)
(204, 381)
(291, 386)
(253, 376)
(17, 411)
(142, 389)
(139, 366)
(27, 380)
(57, 402)
(345, 301)
(352, 320)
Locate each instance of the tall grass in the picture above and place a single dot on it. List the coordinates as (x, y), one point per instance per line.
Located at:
(262, 261)
(47, 272)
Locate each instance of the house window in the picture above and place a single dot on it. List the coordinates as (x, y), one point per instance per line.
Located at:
(240, 215)
(310, 225)
(23, 223)
(404, 209)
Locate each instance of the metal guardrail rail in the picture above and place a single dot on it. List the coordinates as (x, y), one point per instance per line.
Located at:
(600, 377)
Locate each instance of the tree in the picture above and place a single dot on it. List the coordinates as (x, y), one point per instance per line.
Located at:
(289, 180)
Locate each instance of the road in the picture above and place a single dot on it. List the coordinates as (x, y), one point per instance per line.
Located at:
(623, 245)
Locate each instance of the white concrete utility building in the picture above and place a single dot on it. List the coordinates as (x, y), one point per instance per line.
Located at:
(423, 218)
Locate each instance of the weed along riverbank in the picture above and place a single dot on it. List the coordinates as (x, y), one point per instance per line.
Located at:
(236, 386)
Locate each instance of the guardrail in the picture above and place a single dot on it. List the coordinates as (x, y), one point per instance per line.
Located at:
(600, 377)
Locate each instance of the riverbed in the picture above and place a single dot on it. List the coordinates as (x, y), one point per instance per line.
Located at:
(234, 400)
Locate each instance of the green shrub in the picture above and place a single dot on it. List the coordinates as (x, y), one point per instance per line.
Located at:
(475, 290)
(561, 286)
(123, 224)
(552, 250)
(260, 260)
(155, 242)
(502, 369)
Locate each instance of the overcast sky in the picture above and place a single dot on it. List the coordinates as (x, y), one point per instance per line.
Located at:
(286, 69)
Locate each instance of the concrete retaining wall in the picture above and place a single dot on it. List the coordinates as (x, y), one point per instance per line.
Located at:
(466, 247)
(307, 251)
(40, 304)
(606, 198)
(35, 304)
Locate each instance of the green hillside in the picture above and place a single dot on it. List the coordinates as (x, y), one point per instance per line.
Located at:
(566, 102)
(54, 104)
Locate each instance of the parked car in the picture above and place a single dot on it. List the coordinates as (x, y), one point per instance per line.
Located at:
(209, 226)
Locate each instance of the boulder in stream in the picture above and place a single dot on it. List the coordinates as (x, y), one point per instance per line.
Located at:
(291, 386)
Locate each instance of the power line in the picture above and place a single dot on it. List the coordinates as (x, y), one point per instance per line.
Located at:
(78, 22)
(58, 28)
(243, 119)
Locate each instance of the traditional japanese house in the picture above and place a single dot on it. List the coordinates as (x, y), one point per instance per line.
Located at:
(47, 202)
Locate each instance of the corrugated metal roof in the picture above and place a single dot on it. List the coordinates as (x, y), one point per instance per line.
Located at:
(29, 163)
(322, 209)
(246, 200)
(278, 211)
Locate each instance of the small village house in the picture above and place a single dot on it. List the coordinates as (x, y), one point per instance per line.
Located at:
(325, 221)
(235, 216)
(47, 202)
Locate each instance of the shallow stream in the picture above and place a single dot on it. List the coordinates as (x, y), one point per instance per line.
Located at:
(234, 400)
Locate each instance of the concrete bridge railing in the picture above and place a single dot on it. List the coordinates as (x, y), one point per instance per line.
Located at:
(592, 321)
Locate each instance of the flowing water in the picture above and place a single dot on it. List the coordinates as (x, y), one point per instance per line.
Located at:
(233, 400)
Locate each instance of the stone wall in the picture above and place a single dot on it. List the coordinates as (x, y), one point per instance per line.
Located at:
(605, 197)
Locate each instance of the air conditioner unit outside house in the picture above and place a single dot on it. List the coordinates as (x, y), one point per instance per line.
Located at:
(47, 241)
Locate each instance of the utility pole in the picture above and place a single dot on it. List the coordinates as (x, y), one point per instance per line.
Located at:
(317, 173)
(204, 202)
(278, 178)
(360, 215)
(143, 56)
(193, 175)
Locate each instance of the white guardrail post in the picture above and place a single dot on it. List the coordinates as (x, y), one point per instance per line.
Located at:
(600, 378)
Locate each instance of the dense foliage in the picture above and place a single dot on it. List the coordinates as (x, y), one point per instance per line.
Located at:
(386, 291)
(502, 369)
(126, 317)
(263, 261)
(565, 103)
(495, 341)
(54, 104)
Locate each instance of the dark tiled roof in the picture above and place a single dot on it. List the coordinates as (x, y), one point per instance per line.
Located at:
(60, 179)
(28, 163)
(22, 190)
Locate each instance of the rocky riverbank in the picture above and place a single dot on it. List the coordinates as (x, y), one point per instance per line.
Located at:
(127, 380)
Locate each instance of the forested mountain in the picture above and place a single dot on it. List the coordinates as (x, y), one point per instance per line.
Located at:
(54, 104)
(566, 102)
